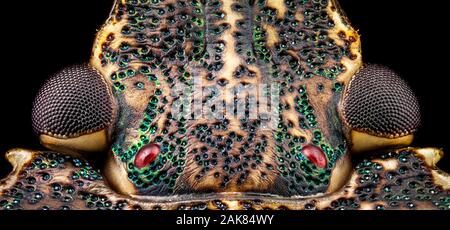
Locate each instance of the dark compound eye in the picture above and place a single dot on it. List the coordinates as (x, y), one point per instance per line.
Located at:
(146, 155)
(74, 102)
(381, 103)
(315, 155)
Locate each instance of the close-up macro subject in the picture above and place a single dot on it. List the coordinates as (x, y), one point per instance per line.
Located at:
(224, 105)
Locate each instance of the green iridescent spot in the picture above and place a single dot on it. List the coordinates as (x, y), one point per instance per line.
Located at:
(338, 87)
(130, 73)
(153, 129)
(154, 100)
(152, 77)
(317, 135)
(114, 76)
(143, 128)
(119, 86)
(122, 75)
(145, 69)
(140, 85)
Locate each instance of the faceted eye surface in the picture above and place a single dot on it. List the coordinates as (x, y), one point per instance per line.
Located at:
(380, 103)
(74, 102)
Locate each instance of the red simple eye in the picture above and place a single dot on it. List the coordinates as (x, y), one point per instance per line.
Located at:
(315, 155)
(146, 155)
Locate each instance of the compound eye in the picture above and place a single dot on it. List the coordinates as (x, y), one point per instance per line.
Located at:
(380, 109)
(73, 111)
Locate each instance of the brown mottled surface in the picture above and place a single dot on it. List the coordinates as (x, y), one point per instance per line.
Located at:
(157, 55)
(301, 53)
(402, 179)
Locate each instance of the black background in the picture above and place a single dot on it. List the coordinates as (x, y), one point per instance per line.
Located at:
(40, 37)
